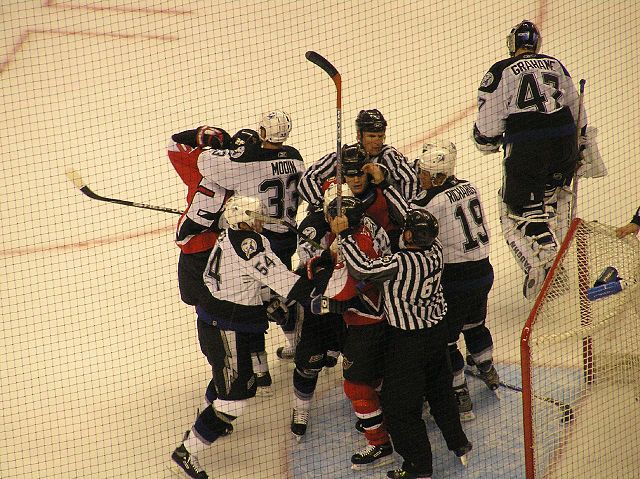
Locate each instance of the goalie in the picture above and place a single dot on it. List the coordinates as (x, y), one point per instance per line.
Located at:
(528, 104)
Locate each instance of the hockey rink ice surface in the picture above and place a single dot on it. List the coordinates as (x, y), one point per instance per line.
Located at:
(102, 372)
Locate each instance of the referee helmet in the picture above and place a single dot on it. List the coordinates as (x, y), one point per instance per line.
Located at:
(423, 226)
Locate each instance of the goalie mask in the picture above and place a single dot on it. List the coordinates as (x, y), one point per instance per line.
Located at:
(276, 125)
(423, 226)
(438, 158)
(239, 209)
(524, 35)
(370, 120)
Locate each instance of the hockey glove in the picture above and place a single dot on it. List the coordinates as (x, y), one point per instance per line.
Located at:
(318, 264)
(212, 137)
(486, 144)
(278, 311)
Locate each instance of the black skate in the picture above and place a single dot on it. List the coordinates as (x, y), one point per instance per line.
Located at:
(372, 456)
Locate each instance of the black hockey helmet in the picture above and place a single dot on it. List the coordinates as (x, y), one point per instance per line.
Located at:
(370, 120)
(423, 226)
(353, 158)
(245, 136)
(524, 35)
(351, 207)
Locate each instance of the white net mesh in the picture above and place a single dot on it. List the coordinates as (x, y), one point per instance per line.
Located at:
(100, 366)
(585, 356)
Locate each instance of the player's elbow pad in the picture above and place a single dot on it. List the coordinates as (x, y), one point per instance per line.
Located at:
(485, 144)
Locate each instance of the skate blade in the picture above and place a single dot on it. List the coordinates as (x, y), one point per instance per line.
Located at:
(497, 394)
(264, 392)
(467, 416)
(464, 460)
(384, 461)
(297, 438)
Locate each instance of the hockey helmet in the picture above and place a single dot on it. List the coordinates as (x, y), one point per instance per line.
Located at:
(350, 206)
(245, 137)
(331, 193)
(370, 120)
(524, 35)
(239, 209)
(423, 226)
(276, 125)
(353, 158)
(438, 157)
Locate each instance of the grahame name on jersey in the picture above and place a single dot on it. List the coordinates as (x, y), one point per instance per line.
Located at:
(283, 167)
(524, 65)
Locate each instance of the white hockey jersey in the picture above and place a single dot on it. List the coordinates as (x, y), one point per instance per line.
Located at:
(242, 262)
(271, 175)
(457, 207)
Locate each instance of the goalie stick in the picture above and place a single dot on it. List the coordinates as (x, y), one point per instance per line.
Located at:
(567, 410)
(326, 65)
(574, 186)
(79, 183)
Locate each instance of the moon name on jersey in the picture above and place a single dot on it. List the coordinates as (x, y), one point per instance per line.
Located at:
(525, 65)
(460, 192)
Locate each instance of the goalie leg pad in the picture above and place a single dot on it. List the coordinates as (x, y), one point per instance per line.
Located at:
(558, 203)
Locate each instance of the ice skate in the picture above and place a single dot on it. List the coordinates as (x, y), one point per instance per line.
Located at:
(486, 371)
(187, 462)
(372, 456)
(286, 353)
(465, 406)
(299, 422)
(463, 453)
(264, 384)
(405, 474)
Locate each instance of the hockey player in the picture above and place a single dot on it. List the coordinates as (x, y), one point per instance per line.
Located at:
(528, 104)
(416, 359)
(321, 337)
(361, 308)
(371, 183)
(371, 129)
(269, 170)
(467, 276)
(240, 263)
(632, 228)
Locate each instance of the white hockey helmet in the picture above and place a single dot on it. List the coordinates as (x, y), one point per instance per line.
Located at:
(238, 210)
(331, 194)
(438, 157)
(276, 125)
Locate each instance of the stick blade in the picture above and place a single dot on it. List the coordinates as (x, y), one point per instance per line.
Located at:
(322, 62)
(75, 178)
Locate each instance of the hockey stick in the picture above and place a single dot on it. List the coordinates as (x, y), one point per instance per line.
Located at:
(326, 65)
(567, 410)
(574, 186)
(77, 180)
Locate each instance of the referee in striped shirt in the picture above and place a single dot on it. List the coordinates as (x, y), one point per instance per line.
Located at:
(416, 358)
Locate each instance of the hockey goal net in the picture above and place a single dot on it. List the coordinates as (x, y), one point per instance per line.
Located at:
(581, 362)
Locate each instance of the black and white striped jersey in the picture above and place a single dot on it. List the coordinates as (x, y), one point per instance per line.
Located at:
(636, 218)
(409, 281)
(310, 186)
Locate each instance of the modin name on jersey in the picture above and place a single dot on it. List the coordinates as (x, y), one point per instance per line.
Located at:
(283, 167)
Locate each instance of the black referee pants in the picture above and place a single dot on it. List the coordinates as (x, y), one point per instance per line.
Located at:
(417, 365)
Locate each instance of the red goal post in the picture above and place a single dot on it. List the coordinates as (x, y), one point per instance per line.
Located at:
(580, 362)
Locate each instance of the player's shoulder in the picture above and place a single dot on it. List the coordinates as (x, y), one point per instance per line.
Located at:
(492, 78)
(246, 244)
(389, 152)
(292, 152)
(314, 226)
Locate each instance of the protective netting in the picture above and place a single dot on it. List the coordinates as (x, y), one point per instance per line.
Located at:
(583, 360)
(101, 369)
